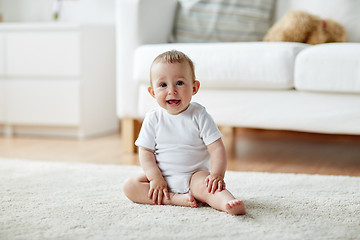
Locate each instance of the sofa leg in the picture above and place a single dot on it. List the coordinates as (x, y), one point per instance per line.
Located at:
(130, 129)
(228, 139)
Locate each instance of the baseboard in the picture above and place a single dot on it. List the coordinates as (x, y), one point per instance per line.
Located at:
(53, 132)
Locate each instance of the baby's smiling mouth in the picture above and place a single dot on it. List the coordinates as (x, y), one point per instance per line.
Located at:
(173, 102)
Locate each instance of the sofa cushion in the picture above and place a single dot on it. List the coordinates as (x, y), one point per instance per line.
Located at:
(332, 67)
(253, 65)
(222, 20)
(275, 109)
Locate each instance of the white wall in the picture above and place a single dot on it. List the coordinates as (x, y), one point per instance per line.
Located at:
(81, 11)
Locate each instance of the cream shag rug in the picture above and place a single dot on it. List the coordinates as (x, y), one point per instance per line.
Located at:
(47, 200)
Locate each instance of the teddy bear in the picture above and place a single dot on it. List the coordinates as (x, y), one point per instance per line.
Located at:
(300, 26)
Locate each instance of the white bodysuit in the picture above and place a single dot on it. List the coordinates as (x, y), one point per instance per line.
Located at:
(180, 143)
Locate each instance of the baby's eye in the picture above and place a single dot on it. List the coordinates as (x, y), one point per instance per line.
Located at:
(179, 83)
(162, 85)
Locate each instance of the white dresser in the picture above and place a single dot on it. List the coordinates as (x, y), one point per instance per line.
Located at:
(57, 79)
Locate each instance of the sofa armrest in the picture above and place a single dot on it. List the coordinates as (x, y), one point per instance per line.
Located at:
(145, 21)
(138, 22)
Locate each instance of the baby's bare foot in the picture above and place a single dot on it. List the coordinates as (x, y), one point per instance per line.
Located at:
(186, 200)
(235, 207)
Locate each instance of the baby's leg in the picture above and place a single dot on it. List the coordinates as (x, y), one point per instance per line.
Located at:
(137, 189)
(223, 201)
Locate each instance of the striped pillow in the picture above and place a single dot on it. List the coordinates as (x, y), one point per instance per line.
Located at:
(222, 20)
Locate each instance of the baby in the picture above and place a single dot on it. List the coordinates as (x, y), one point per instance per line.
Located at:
(177, 141)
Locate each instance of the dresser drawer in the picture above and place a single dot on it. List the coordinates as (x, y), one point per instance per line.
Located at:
(35, 102)
(2, 54)
(2, 101)
(43, 53)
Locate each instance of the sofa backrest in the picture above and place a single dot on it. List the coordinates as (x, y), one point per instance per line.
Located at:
(346, 12)
(243, 20)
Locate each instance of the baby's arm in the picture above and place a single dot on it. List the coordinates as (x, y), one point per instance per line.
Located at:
(158, 186)
(218, 162)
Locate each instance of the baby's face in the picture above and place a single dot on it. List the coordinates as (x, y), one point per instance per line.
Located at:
(173, 86)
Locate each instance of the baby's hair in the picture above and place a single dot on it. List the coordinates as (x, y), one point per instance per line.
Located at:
(174, 56)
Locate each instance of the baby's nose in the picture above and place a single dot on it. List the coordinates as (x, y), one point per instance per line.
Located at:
(172, 90)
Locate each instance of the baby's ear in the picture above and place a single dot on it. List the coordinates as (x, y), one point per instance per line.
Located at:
(196, 86)
(151, 91)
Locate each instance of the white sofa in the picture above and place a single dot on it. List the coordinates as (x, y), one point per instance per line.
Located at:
(266, 85)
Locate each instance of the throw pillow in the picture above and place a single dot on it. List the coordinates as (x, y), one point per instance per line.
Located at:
(222, 20)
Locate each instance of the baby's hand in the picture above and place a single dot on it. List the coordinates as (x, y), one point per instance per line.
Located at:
(214, 182)
(158, 189)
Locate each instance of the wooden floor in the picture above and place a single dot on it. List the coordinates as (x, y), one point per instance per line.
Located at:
(253, 150)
